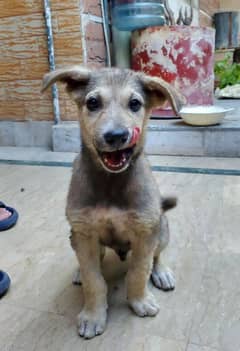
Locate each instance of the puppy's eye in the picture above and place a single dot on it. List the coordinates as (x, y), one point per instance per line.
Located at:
(93, 104)
(135, 105)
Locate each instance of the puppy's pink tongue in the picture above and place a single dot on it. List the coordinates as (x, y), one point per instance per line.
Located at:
(135, 136)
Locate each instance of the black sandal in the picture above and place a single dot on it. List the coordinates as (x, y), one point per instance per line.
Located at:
(4, 283)
(10, 221)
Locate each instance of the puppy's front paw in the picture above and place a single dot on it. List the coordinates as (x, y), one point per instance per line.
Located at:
(163, 278)
(144, 307)
(91, 324)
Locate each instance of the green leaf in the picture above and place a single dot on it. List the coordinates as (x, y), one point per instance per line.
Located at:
(228, 73)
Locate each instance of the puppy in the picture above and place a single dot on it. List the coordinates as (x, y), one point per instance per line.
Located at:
(113, 199)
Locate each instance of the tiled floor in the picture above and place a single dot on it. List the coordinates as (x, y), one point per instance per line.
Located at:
(202, 314)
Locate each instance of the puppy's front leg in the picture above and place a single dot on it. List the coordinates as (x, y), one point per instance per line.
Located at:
(140, 298)
(92, 318)
(77, 277)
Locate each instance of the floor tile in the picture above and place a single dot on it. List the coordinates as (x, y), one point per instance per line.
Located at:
(216, 319)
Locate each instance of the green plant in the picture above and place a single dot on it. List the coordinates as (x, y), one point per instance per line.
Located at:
(227, 73)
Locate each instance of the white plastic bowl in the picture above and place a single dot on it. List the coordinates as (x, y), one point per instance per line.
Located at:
(203, 115)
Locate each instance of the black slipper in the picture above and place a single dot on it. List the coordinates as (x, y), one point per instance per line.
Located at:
(10, 221)
(4, 283)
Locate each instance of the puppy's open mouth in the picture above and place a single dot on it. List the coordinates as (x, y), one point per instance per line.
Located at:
(117, 161)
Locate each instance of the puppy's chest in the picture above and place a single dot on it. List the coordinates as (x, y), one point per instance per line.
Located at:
(114, 226)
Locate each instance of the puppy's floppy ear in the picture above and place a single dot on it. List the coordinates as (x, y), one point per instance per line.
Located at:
(160, 91)
(74, 76)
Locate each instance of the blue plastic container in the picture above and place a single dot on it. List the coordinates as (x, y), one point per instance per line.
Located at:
(227, 29)
(128, 15)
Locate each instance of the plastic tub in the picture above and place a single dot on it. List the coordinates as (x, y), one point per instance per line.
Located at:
(227, 26)
(131, 15)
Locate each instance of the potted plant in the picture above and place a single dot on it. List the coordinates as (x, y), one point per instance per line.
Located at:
(227, 75)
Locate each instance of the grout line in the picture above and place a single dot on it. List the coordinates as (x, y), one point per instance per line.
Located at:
(155, 168)
(196, 170)
(37, 163)
(209, 348)
(197, 300)
(88, 17)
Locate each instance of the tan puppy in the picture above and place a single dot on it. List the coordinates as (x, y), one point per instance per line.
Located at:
(113, 198)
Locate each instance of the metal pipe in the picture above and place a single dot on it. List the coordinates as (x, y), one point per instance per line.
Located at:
(51, 59)
(105, 17)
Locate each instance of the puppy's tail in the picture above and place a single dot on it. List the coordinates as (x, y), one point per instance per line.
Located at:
(168, 203)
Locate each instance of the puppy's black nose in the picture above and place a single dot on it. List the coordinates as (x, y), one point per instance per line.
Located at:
(116, 137)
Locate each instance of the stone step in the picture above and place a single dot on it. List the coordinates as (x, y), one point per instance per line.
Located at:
(40, 156)
(169, 137)
(164, 137)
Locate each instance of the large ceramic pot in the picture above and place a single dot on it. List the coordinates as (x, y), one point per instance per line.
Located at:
(181, 55)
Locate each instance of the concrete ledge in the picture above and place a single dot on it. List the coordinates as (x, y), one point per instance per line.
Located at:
(39, 156)
(164, 137)
(66, 137)
(26, 133)
(169, 137)
(173, 137)
(169, 142)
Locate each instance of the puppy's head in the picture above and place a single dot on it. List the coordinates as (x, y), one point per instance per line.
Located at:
(114, 108)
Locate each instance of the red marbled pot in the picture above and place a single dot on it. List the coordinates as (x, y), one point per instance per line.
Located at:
(181, 55)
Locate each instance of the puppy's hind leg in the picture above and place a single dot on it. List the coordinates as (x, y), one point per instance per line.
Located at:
(77, 280)
(162, 276)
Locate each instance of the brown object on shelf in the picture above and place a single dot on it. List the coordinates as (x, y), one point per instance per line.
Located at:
(236, 55)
